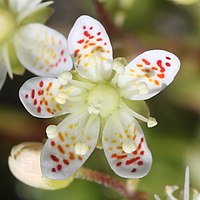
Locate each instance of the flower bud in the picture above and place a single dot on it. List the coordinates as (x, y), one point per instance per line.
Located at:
(24, 163)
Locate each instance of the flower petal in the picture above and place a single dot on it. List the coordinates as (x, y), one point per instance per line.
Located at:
(90, 48)
(38, 97)
(42, 50)
(19, 6)
(148, 74)
(3, 73)
(118, 135)
(63, 156)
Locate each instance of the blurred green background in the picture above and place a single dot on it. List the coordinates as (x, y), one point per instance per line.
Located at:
(134, 26)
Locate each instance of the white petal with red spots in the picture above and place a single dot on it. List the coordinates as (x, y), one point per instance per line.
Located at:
(90, 48)
(42, 50)
(148, 74)
(59, 158)
(38, 97)
(128, 165)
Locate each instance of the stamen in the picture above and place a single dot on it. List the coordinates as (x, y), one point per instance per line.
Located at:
(129, 147)
(64, 78)
(94, 109)
(142, 88)
(61, 97)
(51, 131)
(81, 148)
(118, 65)
(151, 122)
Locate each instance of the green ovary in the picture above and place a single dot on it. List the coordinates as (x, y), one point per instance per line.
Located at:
(7, 24)
(104, 99)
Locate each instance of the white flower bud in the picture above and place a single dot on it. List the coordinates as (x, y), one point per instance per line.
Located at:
(24, 163)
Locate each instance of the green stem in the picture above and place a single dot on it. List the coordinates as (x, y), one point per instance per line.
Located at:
(117, 185)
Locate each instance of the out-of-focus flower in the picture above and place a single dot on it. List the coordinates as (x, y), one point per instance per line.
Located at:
(103, 98)
(185, 2)
(24, 41)
(24, 163)
(185, 195)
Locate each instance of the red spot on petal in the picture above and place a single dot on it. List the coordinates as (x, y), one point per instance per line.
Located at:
(105, 43)
(146, 62)
(80, 41)
(76, 52)
(71, 156)
(91, 37)
(53, 143)
(159, 63)
(61, 149)
(84, 27)
(168, 58)
(39, 109)
(66, 162)
(35, 102)
(142, 153)
(161, 75)
(142, 140)
(65, 60)
(62, 52)
(41, 83)
(53, 170)
(54, 158)
(99, 33)
(99, 39)
(91, 28)
(118, 164)
(33, 94)
(132, 160)
(114, 155)
(134, 170)
(26, 96)
(86, 34)
(168, 64)
(122, 156)
(140, 163)
(59, 167)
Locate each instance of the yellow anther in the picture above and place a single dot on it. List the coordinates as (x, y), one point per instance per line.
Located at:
(129, 147)
(142, 88)
(64, 78)
(81, 148)
(51, 131)
(151, 122)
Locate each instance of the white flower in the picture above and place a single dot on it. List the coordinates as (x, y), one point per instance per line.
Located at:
(38, 48)
(102, 99)
(169, 190)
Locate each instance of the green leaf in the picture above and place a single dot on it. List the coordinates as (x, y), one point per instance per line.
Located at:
(40, 16)
(17, 67)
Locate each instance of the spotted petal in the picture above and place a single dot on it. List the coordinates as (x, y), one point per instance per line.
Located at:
(38, 97)
(119, 135)
(148, 74)
(63, 156)
(42, 50)
(90, 48)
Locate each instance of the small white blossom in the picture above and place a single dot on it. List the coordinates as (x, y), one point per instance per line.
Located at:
(101, 98)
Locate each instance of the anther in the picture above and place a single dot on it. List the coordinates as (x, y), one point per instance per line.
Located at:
(51, 131)
(61, 97)
(64, 78)
(129, 147)
(142, 88)
(151, 122)
(118, 67)
(94, 109)
(81, 148)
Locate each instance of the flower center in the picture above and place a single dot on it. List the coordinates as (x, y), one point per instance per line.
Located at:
(102, 99)
(7, 24)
